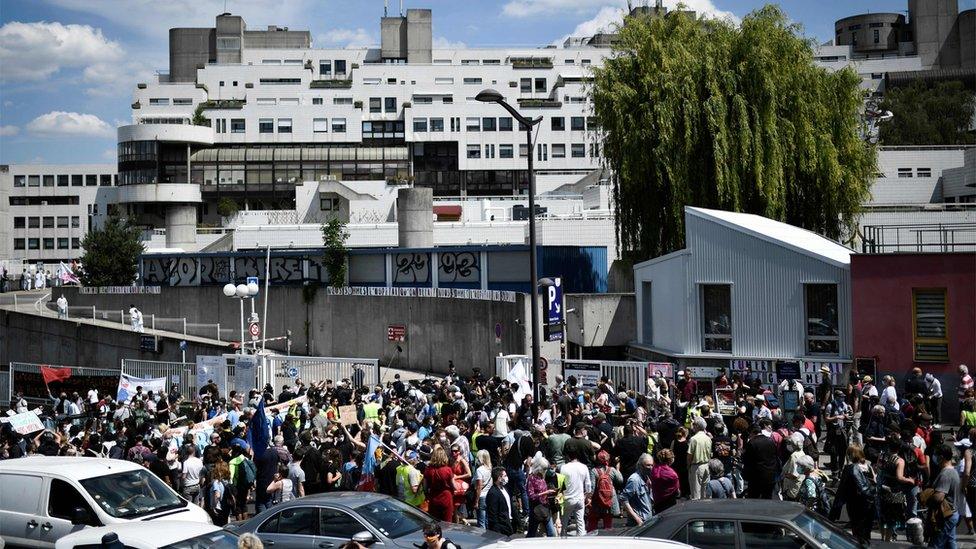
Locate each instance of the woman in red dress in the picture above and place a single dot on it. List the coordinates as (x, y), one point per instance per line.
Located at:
(439, 484)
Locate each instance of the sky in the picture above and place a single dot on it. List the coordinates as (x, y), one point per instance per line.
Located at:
(68, 67)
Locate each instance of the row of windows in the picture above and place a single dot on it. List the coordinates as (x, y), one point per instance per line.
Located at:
(577, 150)
(319, 125)
(164, 101)
(919, 172)
(62, 180)
(46, 243)
(48, 222)
(297, 101)
(502, 124)
(69, 200)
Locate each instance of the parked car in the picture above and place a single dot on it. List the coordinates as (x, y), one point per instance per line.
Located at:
(329, 520)
(608, 542)
(736, 523)
(43, 498)
(170, 534)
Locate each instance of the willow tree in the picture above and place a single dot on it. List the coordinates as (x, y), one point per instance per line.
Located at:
(707, 113)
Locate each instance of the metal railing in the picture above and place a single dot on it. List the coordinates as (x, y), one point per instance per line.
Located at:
(932, 237)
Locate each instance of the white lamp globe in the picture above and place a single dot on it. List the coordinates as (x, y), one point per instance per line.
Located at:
(252, 289)
(241, 290)
(230, 290)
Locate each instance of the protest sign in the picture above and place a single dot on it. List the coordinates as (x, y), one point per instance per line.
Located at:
(347, 415)
(128, 384)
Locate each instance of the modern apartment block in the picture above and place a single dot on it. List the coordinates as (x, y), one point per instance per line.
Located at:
(250, 115)
(48, 209)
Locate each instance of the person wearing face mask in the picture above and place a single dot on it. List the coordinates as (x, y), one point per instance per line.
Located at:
(498, 504)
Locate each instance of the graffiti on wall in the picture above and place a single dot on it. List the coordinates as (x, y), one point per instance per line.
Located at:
(459, 267)
(411, 268)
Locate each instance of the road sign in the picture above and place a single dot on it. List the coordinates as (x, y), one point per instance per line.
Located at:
(253, 280)
(396, 332)
(554, 310)
(292, 372)
(183, 345)
(254, 330)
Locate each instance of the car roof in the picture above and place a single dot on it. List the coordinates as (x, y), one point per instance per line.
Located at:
(343, 499)
(737, 508)
(74, 467)
(592, 541)
(153, 534)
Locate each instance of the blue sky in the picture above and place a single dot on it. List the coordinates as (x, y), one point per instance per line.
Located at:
(68, 67)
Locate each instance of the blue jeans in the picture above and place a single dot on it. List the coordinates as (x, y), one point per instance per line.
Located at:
(945, 538)
(482, 512)
(534, 527)
(516, 484)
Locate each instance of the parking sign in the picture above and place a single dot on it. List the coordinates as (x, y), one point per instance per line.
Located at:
(554, 310)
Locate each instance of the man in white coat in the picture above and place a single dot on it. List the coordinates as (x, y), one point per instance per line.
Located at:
(135, 317)
(62, 307)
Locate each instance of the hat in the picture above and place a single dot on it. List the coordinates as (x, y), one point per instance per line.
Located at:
(964, 443)
(412, 455)
(824, 370)
(760, 397)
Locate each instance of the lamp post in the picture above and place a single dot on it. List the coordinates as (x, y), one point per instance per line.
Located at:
(242, 292)
(493, 96)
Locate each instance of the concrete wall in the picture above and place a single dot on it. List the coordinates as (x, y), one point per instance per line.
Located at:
(438, 329)
(188, 49)
(31, 338)
(600, 320)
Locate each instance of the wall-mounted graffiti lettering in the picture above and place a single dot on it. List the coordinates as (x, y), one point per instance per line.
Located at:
(411, 268)
(184, 272)
(248, 266)
(286, 269)
(214, 270)
(459, 267)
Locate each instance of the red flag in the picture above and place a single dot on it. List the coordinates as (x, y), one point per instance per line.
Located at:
(54, 374)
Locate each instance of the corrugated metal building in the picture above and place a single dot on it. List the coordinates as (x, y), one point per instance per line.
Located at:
(745, 288)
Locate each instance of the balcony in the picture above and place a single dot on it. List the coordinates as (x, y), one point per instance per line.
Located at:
(531, 62)
(531, 102)
(930, 237)
(223, 104)
(330, 84)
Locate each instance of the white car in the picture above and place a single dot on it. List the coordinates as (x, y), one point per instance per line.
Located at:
(166, 535)
(594, 542)
(43, 499)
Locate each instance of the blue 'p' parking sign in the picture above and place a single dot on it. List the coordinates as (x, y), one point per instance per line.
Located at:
(554, 310)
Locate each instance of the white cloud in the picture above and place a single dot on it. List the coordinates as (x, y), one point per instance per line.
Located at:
(60, 123)
(441, 43)
(529, 8)
(116, 79)
(8, 131)
(609, 14)
(35, 51)
(349, 38)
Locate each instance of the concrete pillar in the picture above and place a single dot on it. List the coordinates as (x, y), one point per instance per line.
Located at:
(415, 217)
(181, 226)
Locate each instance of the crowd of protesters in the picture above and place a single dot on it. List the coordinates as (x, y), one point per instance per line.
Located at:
(478, 449)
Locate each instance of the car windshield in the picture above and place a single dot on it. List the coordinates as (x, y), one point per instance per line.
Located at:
(826, 534)
(393, 518)
(131, 494)
(219, 539)
(641, 530)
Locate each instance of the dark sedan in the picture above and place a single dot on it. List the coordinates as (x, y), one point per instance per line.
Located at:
(745, 524)
(328, 520)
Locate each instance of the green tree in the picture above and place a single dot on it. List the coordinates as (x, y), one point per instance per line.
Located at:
(227, 207)
(706, 113)
(928, 115)
(334, 236)
(198, 117)
(111, 254)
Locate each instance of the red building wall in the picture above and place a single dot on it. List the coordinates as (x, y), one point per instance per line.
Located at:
(881, 307)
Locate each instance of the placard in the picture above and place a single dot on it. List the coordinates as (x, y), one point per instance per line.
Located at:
(128, 384)
(587, 374)
(347, 415)
(791, 400)
(245, 368)
(664, 369)
(212, 367)
(725, 401)
(25, 423)
(787, 369)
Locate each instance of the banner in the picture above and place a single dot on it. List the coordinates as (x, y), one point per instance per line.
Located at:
(217, 420)
(663, 369)
(245, 373)
(587, 374)
(212, 367)
(519, 374)
(24, 423)
(128, 384)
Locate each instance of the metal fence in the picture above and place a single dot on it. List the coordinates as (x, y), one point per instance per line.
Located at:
(281, 370)
(5, 389)
(182, 374)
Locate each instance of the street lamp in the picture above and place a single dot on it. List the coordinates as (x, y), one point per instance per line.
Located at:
(493, 96)
(242, 292)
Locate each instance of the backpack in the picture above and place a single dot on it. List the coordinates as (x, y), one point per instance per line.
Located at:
(810, 447)
(228, 501)
(116, 452)
(246, 472)
(820, 503)
(867, 489)
(605, 492)
(350, 478)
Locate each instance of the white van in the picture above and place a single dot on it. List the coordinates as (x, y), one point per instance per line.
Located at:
(45, 498)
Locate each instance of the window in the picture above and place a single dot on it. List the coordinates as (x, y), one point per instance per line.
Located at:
(525, 85)
(505, 123)
(75, 222)
(236, 125)
(342, 100)
(284, 125)
(584, 61)
(877, 36)
(75, 243)
(338, 125)
(159, 101)
(336, 524)
(455, 124)
(523, 151)
(389, 104)
(48, 181)
(19, 244)
(20, 222)
(33, 181)
(487, 124)
(448, 100)
(105, 179)
(505, 151)
(320, 125)
(577, 123)
(558, 123)
(20, 181)
(420, 124)
(63, 222)
(77, 180)
(340, 66)
(62, 181)
(491, 62)
(474, 151)
(34, 222)
(472, 124)
(578, 150)
(904, 172)
(821, 308)
(540, 85)
(542, 150)
(182, 101)
(296, 521)
(316, 100)
(325, 67)
(33, 244)
(48, 243)
(708, 534)
(436, 125)
(717, 317)
(489, 151)
(279, 81)
(930, 327)
(423, 100)
(759, 535)
(266, 125)
(91, 180)
(445, 81)
(375, 104)
(63, 499)
(267, 101)
(271, 61)
(469, 61)
(62, 243)
(328, 204)
(919, 172)
(48, 222)
(558, 150)
(288, 101)
(472, 81)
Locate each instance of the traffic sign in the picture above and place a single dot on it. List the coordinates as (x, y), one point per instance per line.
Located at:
(253, 280)
(396, 332)
(254, 330)
(292, 372)
(554, 310)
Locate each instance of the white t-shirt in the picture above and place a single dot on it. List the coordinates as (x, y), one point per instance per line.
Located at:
(501, 423)
(577, 481)
(191, 471)
(484, 475)
(93, 396)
